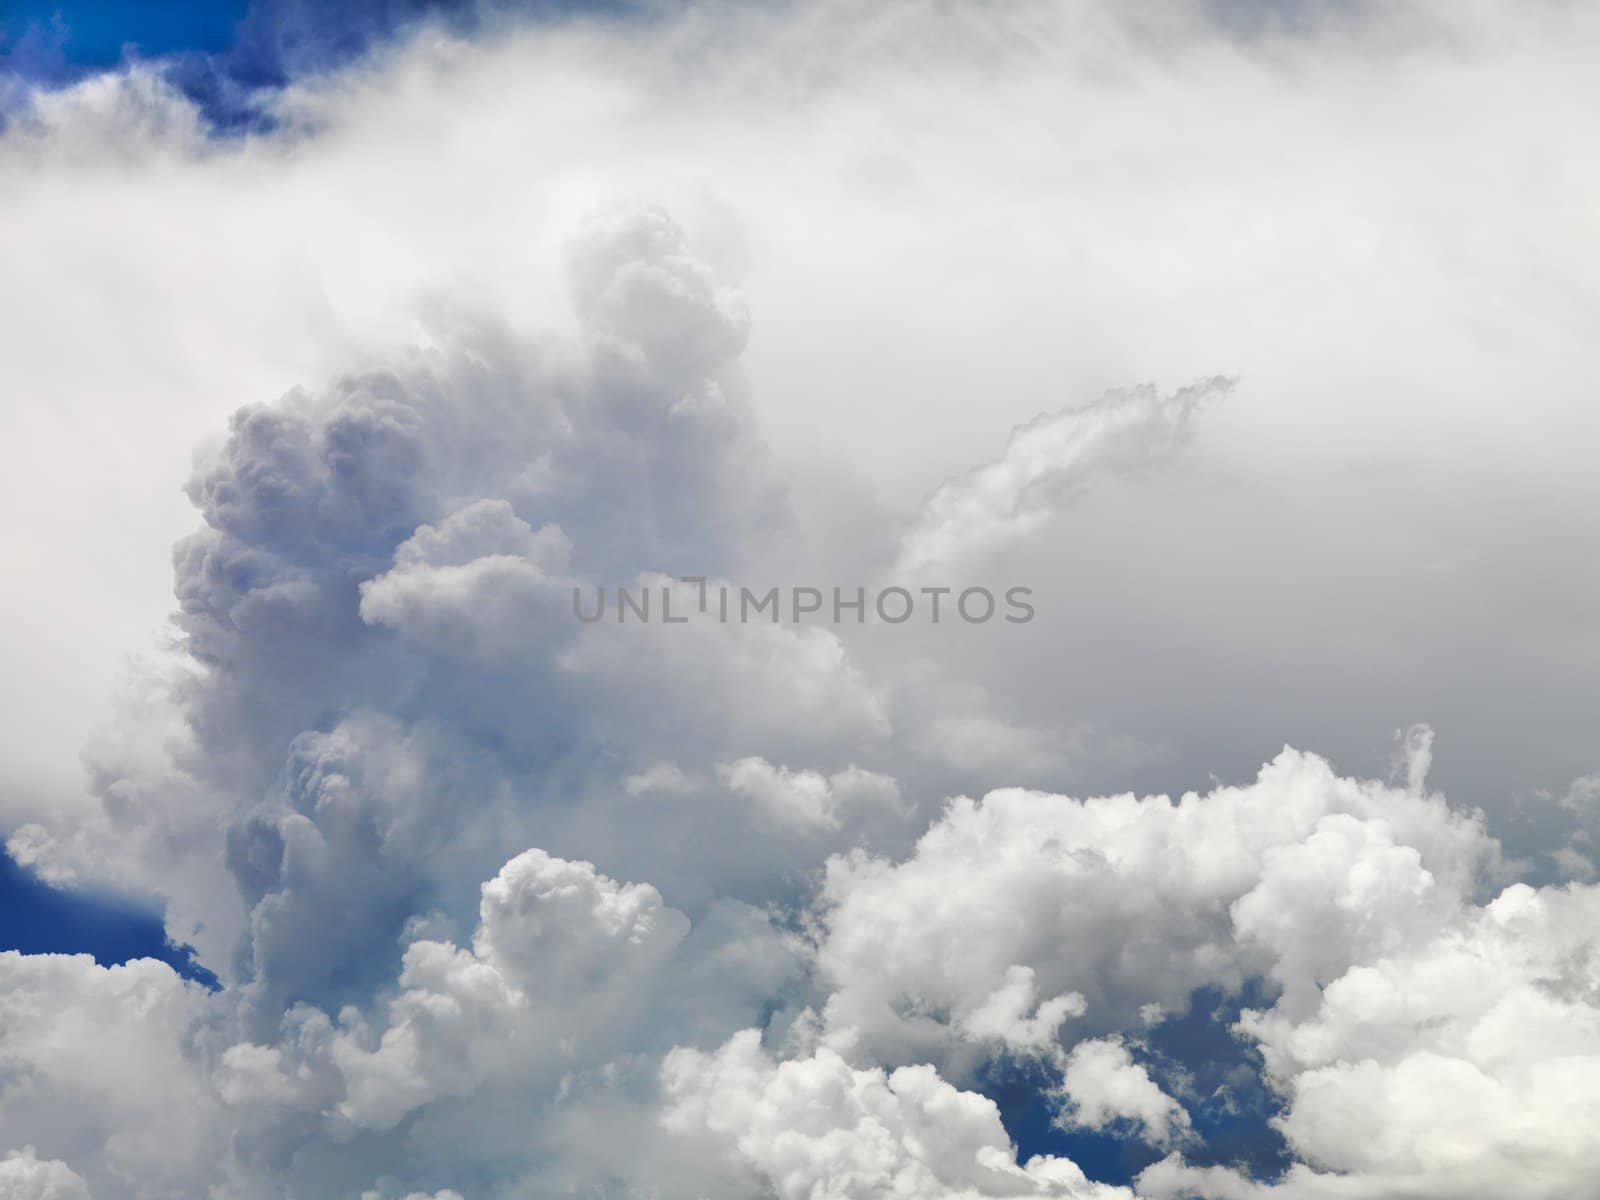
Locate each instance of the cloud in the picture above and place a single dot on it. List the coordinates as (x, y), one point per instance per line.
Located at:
(1394, 988)
(364, 544)
(1045, 463)
(1284, 877)
(1440, 1068)
(1093, 245)
(1004, 1014)
(508, 904)
(562, 956)
(577, 994)
(1581, 803)
(1103, 1085)
(24, 1177)
(94, 1063)
(806, 799)
(816, 1127)
(482, 584)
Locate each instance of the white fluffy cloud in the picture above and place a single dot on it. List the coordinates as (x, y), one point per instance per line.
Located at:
(1453, 1064)
(807, 800)
(581, 998)
(1424, 1042)
(1103, 1084)
(508, 905)
(814, 1127)
(24, 1177)
(1289, 877)
(96, 1066)
(561, 956)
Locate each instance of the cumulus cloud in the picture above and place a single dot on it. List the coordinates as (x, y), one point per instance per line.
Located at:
(1103, 1084)
(1395, 987)
(562, 955)
(481, 584)
(1444, 1067)
(24, 1177)
(1094, 245)
(816, 1127)
(1391, 986)
(568, 979)
(94, 1064)
(1013, 1015)
(1289, 876)
(365, 544)
(806, 799)
(509, 904)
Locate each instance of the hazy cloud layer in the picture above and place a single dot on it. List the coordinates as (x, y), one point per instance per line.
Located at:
(505, 904)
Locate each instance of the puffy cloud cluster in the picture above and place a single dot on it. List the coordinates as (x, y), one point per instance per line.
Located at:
(1458, 1063)
(363, 554)
(805, 799)
(103, 1079)
(383, 693)
(1425, 1042)
(566, 969)
(1288, 878)
(24, 1177)
(1097, 244)
(816, 1127)
(1430, 1033)
(509, 905)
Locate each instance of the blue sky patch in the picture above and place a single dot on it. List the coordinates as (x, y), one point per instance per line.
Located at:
(37, 918)
(1195, 1058)
(218, 54)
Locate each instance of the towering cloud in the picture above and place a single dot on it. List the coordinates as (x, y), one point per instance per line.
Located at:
(504, 904)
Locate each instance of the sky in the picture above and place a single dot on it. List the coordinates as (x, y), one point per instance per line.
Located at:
(1248, 343)
(217, 54)
(89, 37)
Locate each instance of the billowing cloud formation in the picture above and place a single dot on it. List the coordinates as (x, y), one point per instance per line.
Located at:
(1378, 289)
(815, 1127)
(1394, 987)
(1156, 898)
(1452, 1065)
(95, 1064)
(363, 546)
(504, 903)
(24, 1177)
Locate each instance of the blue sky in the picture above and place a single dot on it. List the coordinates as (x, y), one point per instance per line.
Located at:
(1193, 1054)
(217, 53)
(88, 34)
(36, 918)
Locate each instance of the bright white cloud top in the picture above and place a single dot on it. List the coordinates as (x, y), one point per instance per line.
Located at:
(1254, 339)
